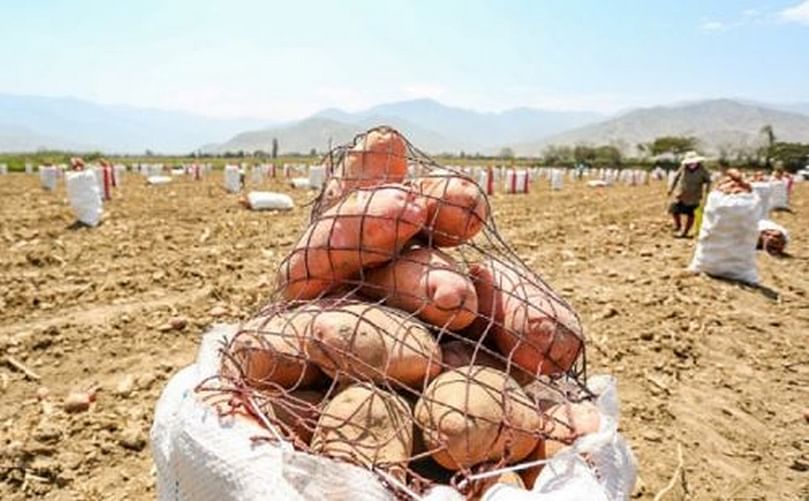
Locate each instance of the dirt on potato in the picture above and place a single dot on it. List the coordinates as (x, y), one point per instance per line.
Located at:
(714, 369)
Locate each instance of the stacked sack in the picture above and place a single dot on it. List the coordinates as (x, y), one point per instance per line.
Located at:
(405, 337)
(726, 246)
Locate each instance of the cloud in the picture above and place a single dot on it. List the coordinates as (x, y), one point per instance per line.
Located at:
(713, 26)
(797, 13)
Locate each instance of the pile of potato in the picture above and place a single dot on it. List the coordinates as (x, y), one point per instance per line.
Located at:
(733, 182)
(405, 336)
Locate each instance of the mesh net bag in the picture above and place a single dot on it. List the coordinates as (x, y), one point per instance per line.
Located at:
(405, 335)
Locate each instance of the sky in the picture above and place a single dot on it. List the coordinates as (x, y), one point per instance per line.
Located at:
(281, 60)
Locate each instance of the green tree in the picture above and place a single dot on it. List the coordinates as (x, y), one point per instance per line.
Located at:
(795, 156)
(607, 155)
(584, 154)
(506, 153)
(673, 144)
(769, 137)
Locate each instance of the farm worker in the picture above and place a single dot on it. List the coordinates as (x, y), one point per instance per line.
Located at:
(691, 181)
(778, 174)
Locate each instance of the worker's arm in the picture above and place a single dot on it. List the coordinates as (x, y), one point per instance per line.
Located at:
(676, 179)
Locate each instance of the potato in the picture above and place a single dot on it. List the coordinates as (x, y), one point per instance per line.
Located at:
(374, 343)
(378, 157)
(536, 331)
(425, 282)
(367, 426)
(459, 352)
(475, 414)
(299, 411)
(564, 423)
(456, 209)
(268, 351)
(365, 229)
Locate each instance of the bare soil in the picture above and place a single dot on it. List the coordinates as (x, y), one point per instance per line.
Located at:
(714, 368)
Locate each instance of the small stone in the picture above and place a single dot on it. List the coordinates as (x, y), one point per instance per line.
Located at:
(43, 393)
(47, 434)
(164, 327)
(218, 311)
(806, 415)
(652, 436)
(132, 439)
(144, 381)
(125, 386)
(77, 402)
(71, 460)
(608, 312)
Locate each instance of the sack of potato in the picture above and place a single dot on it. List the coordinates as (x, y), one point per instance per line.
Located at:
(726, 245)
(405, 337)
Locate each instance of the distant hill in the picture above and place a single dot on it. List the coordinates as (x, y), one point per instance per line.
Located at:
(430, 125)
(470, 129)
(60, 122)
(317, 132)
(718, 124)
(19, 139)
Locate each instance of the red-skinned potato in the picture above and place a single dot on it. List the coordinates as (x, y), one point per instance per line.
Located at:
(532, 329)
(456, 209)
(367, 228)
(373, 343)
(475, 414)
(564, 423)
(268, 351)
(366, 425)
(428, 283)
(378, 157)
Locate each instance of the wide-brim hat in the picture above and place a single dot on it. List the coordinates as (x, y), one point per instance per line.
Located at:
(692, 157)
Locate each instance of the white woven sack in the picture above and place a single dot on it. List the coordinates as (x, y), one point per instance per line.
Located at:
(267, 200)
(726, 246)
(764, 190)
(118, 171)
(84, 196)
(3, 169)
(779, 199)
(233, 183)
(257, 174)
(300, 183)
(201, 456)
(317, 176)
(557, 179)
(158, 180)
(48, 177)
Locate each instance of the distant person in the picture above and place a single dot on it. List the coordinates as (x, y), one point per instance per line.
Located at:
(691, 181)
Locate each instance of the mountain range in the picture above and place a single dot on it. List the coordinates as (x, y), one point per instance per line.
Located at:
(31, 122)
(36, 122)
(718, 124)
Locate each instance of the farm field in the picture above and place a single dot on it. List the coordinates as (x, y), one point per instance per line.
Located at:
(716, 369)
